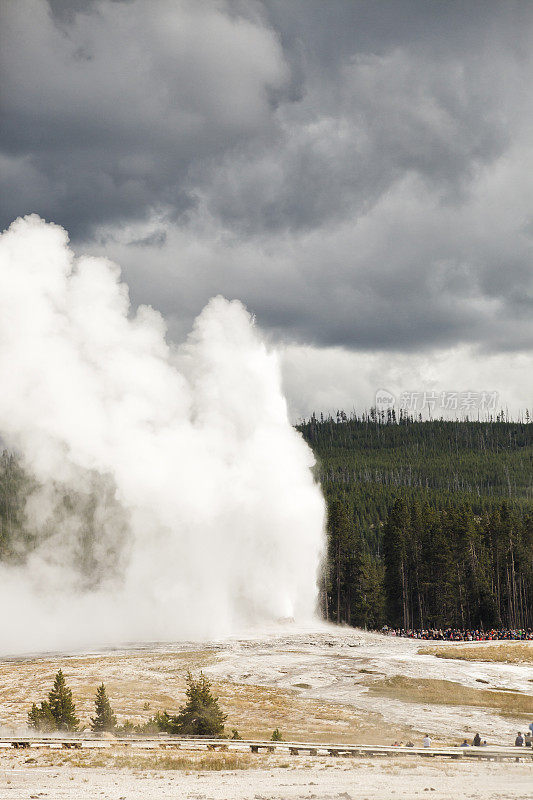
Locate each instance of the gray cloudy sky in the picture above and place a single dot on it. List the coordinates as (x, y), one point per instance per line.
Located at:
(360, 174)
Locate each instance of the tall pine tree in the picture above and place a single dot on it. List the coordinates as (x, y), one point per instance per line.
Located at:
(56, 713)
(338, 548)
(395, 541)
(61, 705)
(104, 720)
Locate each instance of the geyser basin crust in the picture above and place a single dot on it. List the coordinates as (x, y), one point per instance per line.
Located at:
(171, 497)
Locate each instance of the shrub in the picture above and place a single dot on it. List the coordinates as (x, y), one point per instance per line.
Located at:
(126, 729)
(40, 718)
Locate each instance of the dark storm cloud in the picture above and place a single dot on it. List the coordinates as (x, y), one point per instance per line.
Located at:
(354, 171)
(107, 107)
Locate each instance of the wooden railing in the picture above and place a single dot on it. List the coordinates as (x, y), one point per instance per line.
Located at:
(489, 753)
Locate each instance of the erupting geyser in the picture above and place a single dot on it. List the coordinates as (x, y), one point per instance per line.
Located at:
(170, 495)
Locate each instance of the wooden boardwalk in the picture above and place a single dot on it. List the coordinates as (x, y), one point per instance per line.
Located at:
(86, 742)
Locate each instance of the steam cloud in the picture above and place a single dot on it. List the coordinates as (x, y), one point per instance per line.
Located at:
(172, 499)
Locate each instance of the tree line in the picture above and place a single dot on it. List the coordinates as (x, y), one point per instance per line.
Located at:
(453, 569)
(451, 549)
(438, 569)
(446, 463)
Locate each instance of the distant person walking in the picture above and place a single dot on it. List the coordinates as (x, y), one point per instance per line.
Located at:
(519, 741)
(477, 740)
(426, 741)
(527, 739)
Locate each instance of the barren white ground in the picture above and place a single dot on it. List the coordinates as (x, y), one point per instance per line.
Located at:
(329, 662)
(320, 780)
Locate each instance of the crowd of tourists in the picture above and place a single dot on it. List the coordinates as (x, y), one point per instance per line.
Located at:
(459, 635)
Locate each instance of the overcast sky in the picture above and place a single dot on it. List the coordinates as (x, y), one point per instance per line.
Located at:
(359, 174)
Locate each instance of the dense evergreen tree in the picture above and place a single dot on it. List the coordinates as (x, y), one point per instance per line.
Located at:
(351, 572)
(104, 720)
(429, 523)
(15, 486)
(58, 712)
(456, 569)
(446, 464)
(371, 610)
(338, 551)
(61, 705)
(395, 552)
(201, 714)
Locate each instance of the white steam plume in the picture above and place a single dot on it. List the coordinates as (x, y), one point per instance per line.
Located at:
(172, 497)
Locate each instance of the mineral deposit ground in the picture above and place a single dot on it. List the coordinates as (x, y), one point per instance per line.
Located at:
(321, 684)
